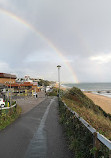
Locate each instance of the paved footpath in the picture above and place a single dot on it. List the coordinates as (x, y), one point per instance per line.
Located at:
(28, 103)
(36, 134)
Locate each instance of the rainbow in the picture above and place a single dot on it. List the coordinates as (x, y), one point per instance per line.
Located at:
(39, 34)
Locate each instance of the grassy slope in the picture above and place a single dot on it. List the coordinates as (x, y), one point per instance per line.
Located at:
(92, 113)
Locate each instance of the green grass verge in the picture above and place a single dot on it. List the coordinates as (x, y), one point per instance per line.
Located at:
(79, 138)
(86, 108)
(9, 116)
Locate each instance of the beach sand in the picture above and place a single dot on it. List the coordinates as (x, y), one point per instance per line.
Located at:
(102, 101)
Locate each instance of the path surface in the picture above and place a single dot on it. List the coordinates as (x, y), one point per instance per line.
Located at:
(36, 134)
(28, 103)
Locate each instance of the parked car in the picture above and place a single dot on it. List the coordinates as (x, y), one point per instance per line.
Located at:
(2, 103)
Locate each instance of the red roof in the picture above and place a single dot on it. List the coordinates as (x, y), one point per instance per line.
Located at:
(25, 84)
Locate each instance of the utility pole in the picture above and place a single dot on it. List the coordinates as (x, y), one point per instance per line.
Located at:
(59, 79)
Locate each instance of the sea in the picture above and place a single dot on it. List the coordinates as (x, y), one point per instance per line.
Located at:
(96, 88)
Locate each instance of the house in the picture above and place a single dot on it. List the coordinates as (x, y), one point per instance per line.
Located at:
(7, 78)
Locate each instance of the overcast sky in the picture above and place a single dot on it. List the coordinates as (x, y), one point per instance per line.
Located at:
(80, 30)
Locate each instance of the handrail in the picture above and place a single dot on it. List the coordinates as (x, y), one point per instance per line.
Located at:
(104, 140)
(8, 107)
(100, 137)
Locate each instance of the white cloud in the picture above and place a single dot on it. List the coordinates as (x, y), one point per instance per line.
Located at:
(4, 67)
(101, 59)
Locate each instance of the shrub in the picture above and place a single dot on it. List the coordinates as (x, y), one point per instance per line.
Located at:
(8, 116)
(79, 138)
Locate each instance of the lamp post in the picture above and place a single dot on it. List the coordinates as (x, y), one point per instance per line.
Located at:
(10, 92)
(58, 66)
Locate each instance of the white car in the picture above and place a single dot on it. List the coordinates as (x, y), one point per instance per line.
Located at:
(2, 103)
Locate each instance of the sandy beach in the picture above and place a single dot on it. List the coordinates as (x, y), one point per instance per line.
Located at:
(102, 101)
(61, 87)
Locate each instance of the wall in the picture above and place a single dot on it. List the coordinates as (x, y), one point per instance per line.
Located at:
(4, 80)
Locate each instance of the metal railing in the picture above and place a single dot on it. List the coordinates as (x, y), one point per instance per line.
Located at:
(8, 107)
(96, 135)
(5, 108)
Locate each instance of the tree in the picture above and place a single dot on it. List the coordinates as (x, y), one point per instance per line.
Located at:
(43, 82)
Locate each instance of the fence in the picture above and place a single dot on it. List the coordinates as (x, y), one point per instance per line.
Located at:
(5, 108)
(97, 137)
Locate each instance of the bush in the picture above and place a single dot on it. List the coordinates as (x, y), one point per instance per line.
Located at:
(80, 139)
(9, 116)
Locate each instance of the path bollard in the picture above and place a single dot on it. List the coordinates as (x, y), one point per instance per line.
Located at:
(8, 104)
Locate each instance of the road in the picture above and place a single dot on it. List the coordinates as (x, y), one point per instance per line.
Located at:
(36, 134)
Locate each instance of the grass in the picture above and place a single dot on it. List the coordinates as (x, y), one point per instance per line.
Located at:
(92, 113)
(9, 116)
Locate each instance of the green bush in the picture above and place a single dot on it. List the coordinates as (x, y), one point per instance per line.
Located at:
(9, 116)
(79, 138)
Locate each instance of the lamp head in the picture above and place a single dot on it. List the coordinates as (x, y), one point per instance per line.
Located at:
(58, 66)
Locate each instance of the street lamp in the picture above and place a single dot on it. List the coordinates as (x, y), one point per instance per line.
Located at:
(10, 92)
(58, 66)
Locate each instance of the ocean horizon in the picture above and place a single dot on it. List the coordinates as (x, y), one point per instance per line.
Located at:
(97, 88)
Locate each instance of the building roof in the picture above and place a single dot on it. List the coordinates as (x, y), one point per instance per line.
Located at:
(5, 75)
(25, 84)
